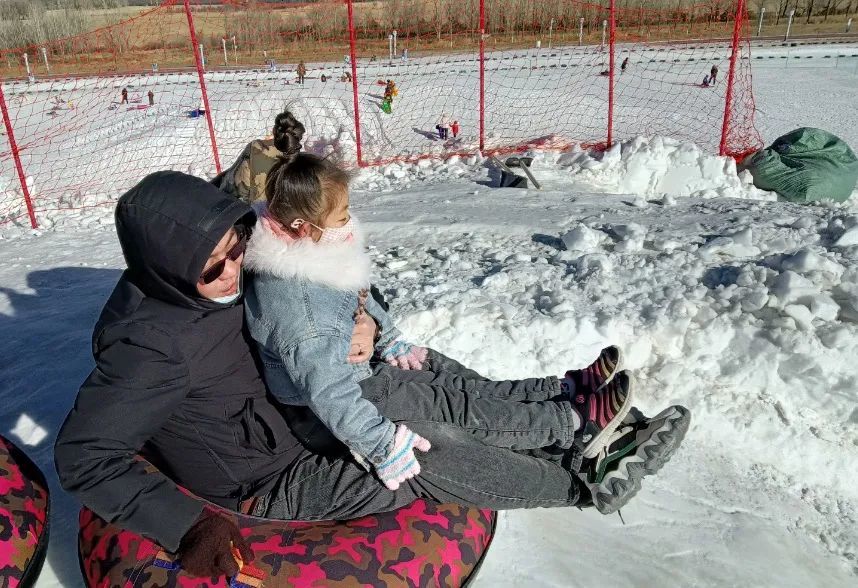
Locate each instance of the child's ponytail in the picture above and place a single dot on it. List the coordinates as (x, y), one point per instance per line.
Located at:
(301, 185)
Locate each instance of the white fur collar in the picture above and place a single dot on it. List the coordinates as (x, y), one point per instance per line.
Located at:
(343, 266)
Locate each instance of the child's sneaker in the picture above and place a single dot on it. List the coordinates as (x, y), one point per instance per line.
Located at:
(638, 448)
(596, 375)
(601, 411)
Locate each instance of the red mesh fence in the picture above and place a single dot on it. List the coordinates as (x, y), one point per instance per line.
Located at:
(93, 113)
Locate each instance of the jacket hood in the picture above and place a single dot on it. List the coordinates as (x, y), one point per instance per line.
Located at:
(168, 225)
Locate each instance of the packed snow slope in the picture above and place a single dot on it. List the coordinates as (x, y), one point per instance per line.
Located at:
(740, 307)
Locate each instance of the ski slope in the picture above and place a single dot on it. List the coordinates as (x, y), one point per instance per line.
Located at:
(740, 307)
(82, 148)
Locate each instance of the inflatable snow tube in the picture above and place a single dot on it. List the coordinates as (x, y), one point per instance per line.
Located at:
(423, 544)
(23, 517)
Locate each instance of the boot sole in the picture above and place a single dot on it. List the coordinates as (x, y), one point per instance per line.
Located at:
(615, 492)
(598, 442)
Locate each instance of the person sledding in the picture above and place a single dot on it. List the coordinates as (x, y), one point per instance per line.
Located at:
(178, 380)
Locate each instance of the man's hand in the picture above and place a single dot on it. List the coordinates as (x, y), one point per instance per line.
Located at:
(363, 339)
(208, 548)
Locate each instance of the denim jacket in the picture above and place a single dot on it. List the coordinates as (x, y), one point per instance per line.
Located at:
(300, 304)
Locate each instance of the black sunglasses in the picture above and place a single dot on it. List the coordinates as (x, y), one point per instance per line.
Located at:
(237, 250)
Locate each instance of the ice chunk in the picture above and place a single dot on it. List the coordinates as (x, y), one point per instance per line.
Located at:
(790, 287)
(800, 314)
(848, 238)
(582, 238)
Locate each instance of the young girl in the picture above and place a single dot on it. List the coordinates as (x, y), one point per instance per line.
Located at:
(310, 275)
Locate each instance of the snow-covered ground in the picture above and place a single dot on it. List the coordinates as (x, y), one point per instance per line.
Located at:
(740, 307)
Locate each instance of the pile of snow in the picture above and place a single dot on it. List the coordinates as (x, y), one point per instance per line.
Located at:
(659, 167)
(645, 168)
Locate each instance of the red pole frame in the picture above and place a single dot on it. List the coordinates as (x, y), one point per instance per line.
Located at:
(734, 56)
(353, 57)
(482, 75)
(612, 26)
(201, 75)
(16, 155)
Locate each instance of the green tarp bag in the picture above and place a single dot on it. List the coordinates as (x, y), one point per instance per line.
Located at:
(804, 166)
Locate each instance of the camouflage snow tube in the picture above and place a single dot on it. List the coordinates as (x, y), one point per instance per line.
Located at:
(23, 518)
(423, 544)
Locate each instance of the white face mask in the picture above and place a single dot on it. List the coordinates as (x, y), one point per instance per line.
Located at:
(227, 299)
(232, 297)
(330, 235)
(343, 234)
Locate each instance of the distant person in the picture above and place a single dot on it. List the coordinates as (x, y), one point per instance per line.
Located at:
(390, 90)
(705, 81)
(624, 65)
(713, 74)
(301, 71)
(324, 78)
(124, 99)
(151, 95)
(455, 128)
(443, 127)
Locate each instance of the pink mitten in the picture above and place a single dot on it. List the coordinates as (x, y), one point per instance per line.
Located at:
(401, 463)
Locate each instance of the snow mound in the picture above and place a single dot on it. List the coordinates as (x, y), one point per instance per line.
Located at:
(661, 167)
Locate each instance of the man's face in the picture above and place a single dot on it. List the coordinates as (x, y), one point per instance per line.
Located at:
(226, 284)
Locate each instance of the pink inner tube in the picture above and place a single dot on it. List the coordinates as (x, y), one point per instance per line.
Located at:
(422, 544)
(24, 509)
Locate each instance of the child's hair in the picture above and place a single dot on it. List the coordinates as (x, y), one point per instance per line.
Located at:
(301, 185)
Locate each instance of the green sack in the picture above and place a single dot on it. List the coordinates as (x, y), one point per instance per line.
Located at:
(386, 106)
(804, 166)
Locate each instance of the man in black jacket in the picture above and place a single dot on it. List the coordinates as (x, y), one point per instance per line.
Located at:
(174, 377)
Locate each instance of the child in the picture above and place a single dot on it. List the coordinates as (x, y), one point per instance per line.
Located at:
(310, 275)
(455, 128)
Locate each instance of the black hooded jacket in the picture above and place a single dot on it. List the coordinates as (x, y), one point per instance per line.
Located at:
(175, 379)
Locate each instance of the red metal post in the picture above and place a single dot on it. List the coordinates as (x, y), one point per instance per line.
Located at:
(482, 75)
(16, 155)
(612, 27)
(353, 57)
(739, 20)
(202, 77)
